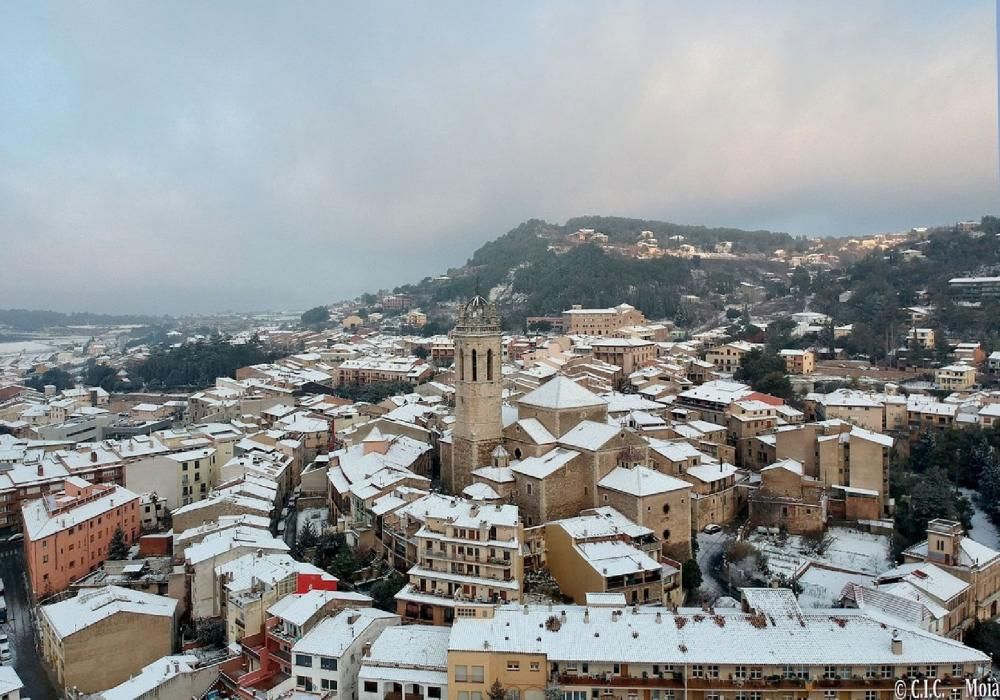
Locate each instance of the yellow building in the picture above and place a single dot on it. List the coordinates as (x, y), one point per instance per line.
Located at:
(770, 648)
(100, 639)
(957, 377)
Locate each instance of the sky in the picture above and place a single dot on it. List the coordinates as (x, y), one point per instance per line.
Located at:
(196, 157)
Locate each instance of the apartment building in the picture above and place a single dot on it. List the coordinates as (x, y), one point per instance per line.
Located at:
(769, 647)
(101, 638)
(602, 551)
(177, 479)
(406, 662)
(389, 368)
(265, 664)
(67, 534)
(957, 377)
(974, 288)
(628, 353)
(799, 361)
(726, 358)
(922, 337)
(326, 660)
(468, 558)
(600, 322)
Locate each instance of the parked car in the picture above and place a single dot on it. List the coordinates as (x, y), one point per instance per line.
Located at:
(16, 537)
(712, 528)
(3, 609)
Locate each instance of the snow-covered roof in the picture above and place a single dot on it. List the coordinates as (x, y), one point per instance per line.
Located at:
(40, 521)
(411, 646)
(151, 677)
(334, 635)
(792, 465)
(641, 481)
(589, 435)
(647, 635)
(712, 472)
(74, 614)
(298, 608)
(544, 465)
(537, 432)
(616, 558)
(560, 392)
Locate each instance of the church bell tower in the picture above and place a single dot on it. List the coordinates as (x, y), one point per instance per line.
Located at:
(478, 391)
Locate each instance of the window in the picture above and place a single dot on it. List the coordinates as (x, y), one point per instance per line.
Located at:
(712, 671)
(871, 695)
(328, 684)
(666, 508)
(327, 664)
(697, 671)
(513, 694)
(829, 672)
(931, 672)
(956, 669)
(887, 672)
(434, 692)
(912, 670)
(489, 365)
(513, 666)
(461, 673)
(829, 695)
(303, 660)
(475, 366)
(534, 666)
(740, 672)
(756, 672)
(476, 675)
(666, 534)
(304, 682)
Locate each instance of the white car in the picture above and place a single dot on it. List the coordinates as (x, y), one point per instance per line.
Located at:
(5, 654)
(712, 528)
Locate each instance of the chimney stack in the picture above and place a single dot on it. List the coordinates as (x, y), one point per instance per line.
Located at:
(897, 643)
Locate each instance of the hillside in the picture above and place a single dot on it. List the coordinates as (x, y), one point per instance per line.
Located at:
(881, 286)
(536, 269)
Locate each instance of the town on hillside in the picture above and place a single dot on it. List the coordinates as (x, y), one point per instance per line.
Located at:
(787, 493)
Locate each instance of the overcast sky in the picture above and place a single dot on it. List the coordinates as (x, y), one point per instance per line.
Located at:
(172, 157)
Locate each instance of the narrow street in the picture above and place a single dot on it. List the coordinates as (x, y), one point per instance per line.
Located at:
(26, 658)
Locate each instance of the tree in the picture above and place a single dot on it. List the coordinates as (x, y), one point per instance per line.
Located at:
(307, 539)
(384, 592)
(691, 577)
(421, 351)
(801, 281)
(764, 372)
(118, 547)
(315, 316)
(55, 376)
(497, 691)
(211, 632)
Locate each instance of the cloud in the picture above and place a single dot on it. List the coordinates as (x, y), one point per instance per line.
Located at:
(198, 157)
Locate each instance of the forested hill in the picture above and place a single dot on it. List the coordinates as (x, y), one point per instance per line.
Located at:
(882, 286)
(534, 269)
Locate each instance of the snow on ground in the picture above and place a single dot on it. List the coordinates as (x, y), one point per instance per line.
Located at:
(983, 530)
(821, 587)
(317, 516)
(843, 548)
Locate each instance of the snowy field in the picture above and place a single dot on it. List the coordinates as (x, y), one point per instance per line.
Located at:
(842, 548)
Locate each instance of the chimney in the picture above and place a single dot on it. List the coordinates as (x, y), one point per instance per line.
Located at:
(93, 456)
(40, 469)
(586, 616)
(659, 618)
(897, 644)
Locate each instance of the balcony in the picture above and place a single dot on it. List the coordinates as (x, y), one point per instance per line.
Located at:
(665, 680)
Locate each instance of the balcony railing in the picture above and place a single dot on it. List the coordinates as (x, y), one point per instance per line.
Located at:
(666, 680)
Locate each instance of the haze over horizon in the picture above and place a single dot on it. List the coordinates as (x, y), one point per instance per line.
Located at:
(194, 158)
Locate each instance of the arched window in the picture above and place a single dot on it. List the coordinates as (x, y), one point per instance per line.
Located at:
(666, 535)
(475, 367)
(461, 366)
(489, 365)
(666, 508)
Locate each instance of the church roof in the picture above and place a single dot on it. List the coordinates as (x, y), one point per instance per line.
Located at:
(561, 392)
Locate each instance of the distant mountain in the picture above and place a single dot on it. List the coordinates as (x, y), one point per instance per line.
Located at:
(31, 320)
(539, 268)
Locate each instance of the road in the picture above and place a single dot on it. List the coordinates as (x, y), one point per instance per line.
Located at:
(710, 550)
(19, 628)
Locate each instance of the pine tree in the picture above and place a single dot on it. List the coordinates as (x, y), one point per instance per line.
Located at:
(118, 548)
